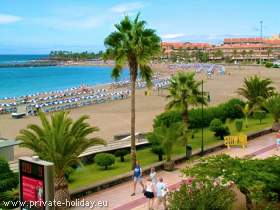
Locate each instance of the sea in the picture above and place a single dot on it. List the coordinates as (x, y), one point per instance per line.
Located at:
(21, 81)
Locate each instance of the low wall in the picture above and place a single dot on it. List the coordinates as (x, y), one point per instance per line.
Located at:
(158, 166)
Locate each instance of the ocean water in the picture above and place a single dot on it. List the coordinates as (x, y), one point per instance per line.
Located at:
(4, 59)
(24, 81)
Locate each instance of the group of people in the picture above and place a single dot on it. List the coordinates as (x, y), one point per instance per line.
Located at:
(153, 187)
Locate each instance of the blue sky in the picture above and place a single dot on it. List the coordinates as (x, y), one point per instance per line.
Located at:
(38, 26)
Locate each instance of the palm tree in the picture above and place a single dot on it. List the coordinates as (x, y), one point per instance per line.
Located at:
(272, 105)
(184, 92)
(166, 137)
(247, 111)
(135, 45)
(244, 53)
(219, 54)
(235, 54)
(255, 88)
(59, 140)
(251, 52)
(269, 52)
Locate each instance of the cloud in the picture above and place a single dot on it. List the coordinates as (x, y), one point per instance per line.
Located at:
(69, 23)
(172, 36)
(83, 23)
(5, 19)
(122, 8)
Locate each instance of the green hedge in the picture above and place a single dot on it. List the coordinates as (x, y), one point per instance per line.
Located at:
(223, 111)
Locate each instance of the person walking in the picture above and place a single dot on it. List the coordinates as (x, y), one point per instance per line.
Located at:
(150, 192)
(137, 177)
(161, 189)
(153, 176)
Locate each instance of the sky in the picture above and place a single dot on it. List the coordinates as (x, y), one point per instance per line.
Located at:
(39, 26)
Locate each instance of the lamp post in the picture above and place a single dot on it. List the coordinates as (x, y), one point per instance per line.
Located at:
(202, 140)
(261, 22)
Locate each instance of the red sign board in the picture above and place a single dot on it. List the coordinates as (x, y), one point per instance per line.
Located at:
(32, 189)
(32, 185)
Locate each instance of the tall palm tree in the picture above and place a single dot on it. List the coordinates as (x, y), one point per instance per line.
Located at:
(272, 105)
(184, 91)
(135, 45)
(255, 88)
(59, 140)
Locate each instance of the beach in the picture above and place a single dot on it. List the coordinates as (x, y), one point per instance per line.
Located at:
(113, 117)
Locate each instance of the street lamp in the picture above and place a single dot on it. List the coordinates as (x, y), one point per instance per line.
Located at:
(202, 140)
(261, 22)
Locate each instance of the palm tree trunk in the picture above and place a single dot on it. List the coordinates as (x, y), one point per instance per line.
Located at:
(61, 191)
(133, 76)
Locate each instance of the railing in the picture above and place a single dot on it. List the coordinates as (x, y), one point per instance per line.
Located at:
(110, 147)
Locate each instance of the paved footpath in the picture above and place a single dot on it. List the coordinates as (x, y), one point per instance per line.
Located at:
(119, 198)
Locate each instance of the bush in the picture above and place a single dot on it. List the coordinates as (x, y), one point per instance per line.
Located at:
(215, 124)
(104, 160)
(159, 151)
(257, 179)
(121, 153)
(268, 65)
(8, 182)
(239, 124)
(276, 66)
(167, 118)
(230, 109)
(260, 115)
(202, 195)
(222, 112)
(220, 130)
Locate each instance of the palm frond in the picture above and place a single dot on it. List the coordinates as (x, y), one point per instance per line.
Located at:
(60, 139)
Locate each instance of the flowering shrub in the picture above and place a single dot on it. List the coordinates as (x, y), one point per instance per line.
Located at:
(208, 194)
(257, 179)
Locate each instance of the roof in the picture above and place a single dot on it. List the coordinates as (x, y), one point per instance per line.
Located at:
(7, 143)
(185, 44)
(237, 40)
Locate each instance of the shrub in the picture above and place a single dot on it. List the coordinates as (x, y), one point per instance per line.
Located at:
(230, 108)
(201, 195)
(276, 66)
(215, 124)
(222, 112)
(260, 115)
(8, 182)
(121, 153)
(167, 118)
(257, 179)
(220, 130)
(268, 64)
(239, 124)
(104, 160)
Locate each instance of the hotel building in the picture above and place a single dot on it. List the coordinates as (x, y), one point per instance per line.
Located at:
(234, 48)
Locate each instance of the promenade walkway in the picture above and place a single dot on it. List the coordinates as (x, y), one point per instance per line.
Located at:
(119, 198)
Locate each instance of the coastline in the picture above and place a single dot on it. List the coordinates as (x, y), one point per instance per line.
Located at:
(113, 117)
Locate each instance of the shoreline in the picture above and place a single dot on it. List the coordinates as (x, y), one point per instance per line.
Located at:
(113, 117)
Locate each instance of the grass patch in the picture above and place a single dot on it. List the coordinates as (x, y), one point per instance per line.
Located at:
(89, 174)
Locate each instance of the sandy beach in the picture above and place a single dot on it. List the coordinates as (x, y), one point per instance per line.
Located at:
(113, 117)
